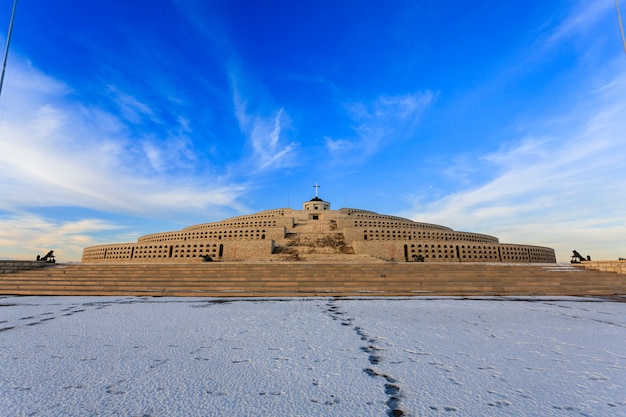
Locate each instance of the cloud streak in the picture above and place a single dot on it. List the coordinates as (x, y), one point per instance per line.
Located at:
(584, 16)
(66, 154)
(386, 120)
(265, 136)
(556, 189)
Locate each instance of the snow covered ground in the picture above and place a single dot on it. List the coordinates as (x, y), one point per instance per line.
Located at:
(134, 356)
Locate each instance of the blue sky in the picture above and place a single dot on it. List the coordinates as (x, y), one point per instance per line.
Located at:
(119, 119)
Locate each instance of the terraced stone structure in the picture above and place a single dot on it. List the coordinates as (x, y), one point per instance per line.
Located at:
(317, 233)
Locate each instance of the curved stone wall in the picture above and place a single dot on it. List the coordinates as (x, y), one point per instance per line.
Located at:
(268, 234)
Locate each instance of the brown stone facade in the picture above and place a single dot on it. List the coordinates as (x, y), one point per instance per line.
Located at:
(316, 233)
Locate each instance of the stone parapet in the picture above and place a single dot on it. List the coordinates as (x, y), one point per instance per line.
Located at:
(606, 266)
(7, 267)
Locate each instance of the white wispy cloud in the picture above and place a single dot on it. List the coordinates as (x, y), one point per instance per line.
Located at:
(561, 186)
(56, 152)
(386, 120)
(582, 17)
(131, 108)
(265, 135)
(168, 155)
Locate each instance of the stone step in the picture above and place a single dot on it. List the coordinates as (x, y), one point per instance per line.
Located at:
(309, 270)
(312, 279)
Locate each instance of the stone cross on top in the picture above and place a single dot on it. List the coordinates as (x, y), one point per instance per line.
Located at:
(316, 189)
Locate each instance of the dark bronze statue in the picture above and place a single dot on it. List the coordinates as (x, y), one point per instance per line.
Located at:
(578, 258)
(49, 257)
(418, 258)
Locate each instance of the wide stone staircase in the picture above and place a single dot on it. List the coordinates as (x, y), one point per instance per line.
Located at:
(314, 240)
(287, 279)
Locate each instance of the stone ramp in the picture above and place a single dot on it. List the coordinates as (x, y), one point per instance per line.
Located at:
(300, 279)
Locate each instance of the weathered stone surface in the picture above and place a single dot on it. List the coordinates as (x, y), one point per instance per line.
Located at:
(314, 232)
(608, 266)
(7, 267)
(297, 279)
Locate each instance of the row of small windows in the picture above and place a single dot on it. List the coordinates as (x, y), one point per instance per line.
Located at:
(490, 252)
(230, 234)
(479, 253)
(196, 245)
(461, 247)
(514, 252)
(396, 234)
(405, 223)
(208, 250)
(182, 255)
(178, 251)
(432, 250)
(241, 223)
(445, 253)
(392, 220)
(379, 216)
(115, 252)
